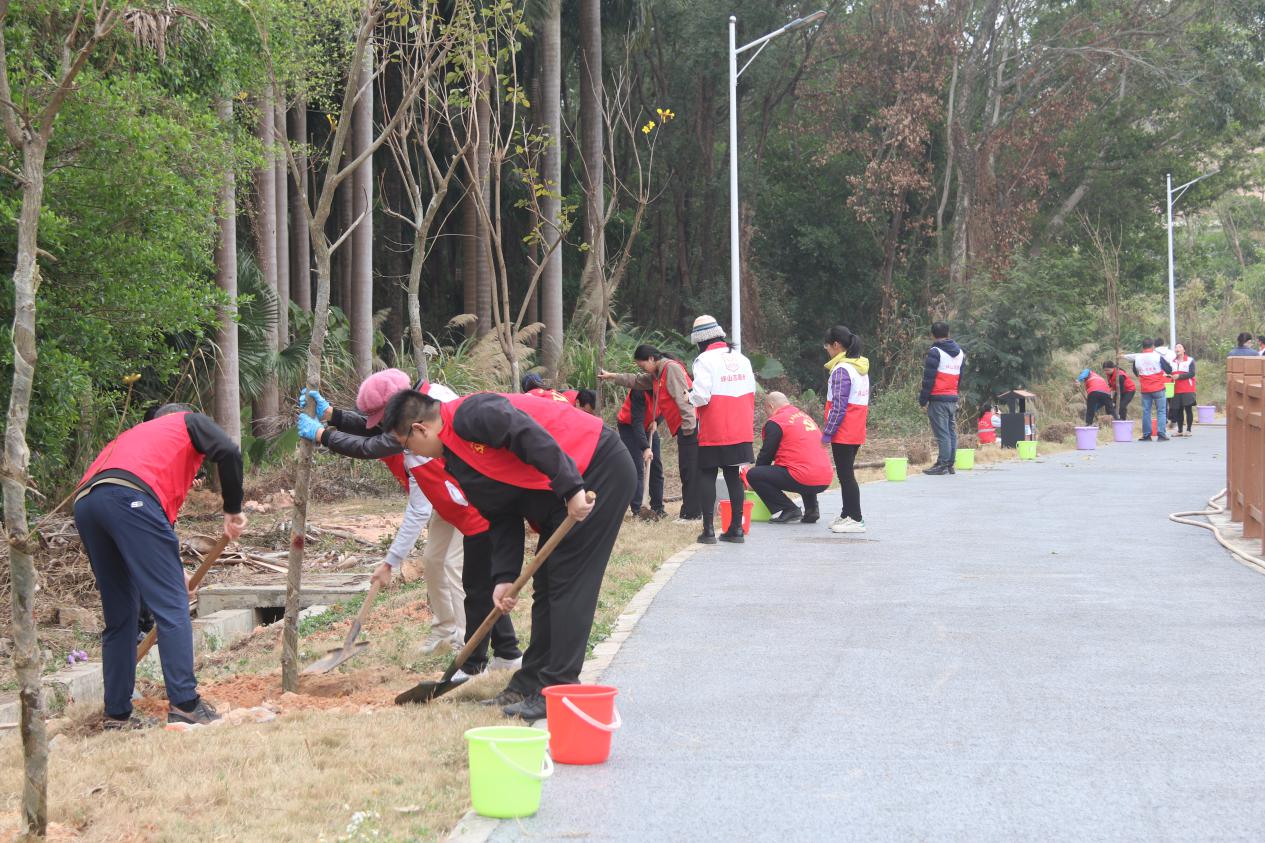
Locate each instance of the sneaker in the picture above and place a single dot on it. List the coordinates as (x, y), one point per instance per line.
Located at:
(660, 514)
(203, 714)
(847, 525)
(1145, 439)
(505, 698)
(838, 521)
(1163, 438)
(810, 516)
(133, 723)
(938, 468)
(706, 537)
(435, 645)
(733, 538)
(499, 663)
(458, 641)
(530, 708)
(787, 516)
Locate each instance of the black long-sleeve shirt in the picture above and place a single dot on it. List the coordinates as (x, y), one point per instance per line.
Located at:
(771, 438)
(353, 438)
(638, 406)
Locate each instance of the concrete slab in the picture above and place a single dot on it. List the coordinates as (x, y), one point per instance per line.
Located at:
(318, 589)
(1023, 652)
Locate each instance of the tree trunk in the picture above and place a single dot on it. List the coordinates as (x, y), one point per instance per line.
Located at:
(362, 239)
(592, 308)
(27, 659)
(228, 402)
(483, 156)
(300, 239)
(346, 255)
(551, 205)
(470, 242)
(283, 224)
(267, 406)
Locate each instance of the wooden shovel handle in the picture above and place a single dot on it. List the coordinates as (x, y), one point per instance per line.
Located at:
(362, 616)
(207, 561)
(528, 572)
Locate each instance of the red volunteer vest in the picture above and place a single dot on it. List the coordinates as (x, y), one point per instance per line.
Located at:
(948, 373)
(801, 452)
(625, 412)
(728, 418)
(160, 453)
(985, 430)
(666, 404)
(1129, 385)
(852, 431)
(552, 395)
(1096, 383)
(575, 431)
(1185, 384)
(442, 491)
(1150, 371)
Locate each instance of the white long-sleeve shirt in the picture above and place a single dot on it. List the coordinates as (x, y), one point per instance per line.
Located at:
(419, 509)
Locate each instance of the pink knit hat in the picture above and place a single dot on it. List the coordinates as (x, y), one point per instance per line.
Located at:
(376, 390)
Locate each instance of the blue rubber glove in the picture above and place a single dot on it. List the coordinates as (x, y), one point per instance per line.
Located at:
(322, 406)
(308, 427)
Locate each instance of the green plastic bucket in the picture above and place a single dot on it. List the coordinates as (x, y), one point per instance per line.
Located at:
(1027, 449)
(759, 512)
(1170, 389)
(964, 458)
(896, 468)
(507, 766)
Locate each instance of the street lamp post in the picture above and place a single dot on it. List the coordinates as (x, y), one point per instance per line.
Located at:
(735, 281)
(1172, 297)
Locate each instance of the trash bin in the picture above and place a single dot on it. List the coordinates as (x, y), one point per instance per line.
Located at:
(1017, 424)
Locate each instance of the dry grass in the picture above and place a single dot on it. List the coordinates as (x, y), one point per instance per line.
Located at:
(338, 751)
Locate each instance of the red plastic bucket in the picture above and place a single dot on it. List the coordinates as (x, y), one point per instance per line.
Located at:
(582, 719)
(726, 515)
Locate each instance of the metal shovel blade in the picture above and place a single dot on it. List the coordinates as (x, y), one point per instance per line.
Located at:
(424, 692)
(335, 657)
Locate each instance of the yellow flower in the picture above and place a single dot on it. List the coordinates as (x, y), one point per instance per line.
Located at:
(131, 379)
(646, 129)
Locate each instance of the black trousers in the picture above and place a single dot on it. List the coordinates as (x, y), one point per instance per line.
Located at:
(629, 438)
(772, 482)
(476, 579)
(1122, 412)
(707, 494)
(1096, 401)
(565, 589)
(1186, 414)
(845, 459)
(687, 463)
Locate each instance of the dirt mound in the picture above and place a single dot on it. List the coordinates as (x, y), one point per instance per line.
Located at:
(353, 690)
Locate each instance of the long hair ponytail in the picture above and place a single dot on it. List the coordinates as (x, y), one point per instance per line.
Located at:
(843, 335)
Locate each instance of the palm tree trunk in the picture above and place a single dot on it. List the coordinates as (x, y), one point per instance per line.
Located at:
(483, 153)
(300, 242)
(551, 113)
(228, 402)
(268, 405)
(590, 311)
(362, 239)
(283, 225)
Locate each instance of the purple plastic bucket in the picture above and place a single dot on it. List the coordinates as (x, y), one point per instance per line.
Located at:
(1122, 430)
(1086, 438)
(1207, 413)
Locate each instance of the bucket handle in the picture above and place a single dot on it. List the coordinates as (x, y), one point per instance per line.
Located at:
(583, 715)
(545, 772)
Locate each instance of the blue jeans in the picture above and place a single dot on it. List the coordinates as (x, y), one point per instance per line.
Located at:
(135, 556)
(944, 418)
(1160, 403)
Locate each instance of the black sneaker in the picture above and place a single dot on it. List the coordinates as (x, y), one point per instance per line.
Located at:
(706, 537)
(733, 537)
(938, 468)
(788, 516)
(509, 696)
(203, 714)
(811, 516)
(1163, 438)
(1145, 439)
(133, 723)
(530, 708)
(660, 514)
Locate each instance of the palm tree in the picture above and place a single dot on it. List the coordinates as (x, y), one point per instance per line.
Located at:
(551, 117)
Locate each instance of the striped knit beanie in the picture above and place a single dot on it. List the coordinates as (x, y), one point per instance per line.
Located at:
(706, 328)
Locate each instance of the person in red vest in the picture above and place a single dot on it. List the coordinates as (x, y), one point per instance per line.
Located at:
(533, 384)
(125, 509)
(723, 395)
(636, 423)
(1097, 395)
(1184, 390)
(791, 459)
(986, 428)
(671, 383)
(1153, 371)
(942, 371)
(457, 559)
(847, 412)
(586, 400)
(1122, 386)
(521, 457)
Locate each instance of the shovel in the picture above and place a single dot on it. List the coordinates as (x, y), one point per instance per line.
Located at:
(207, 561)
(424, 692)
(351, 646)
(646, 512)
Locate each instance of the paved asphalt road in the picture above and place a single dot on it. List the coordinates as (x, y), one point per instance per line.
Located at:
(1027, 652)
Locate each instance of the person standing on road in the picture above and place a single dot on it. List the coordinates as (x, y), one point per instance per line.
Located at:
(672, 385)
(724, 397)
(1152, 370)
(518, 457)
(847, 412)
(1122, 386)
(1243, 348)
(638, 431)
(1097, 395)
(125, 510)
(791, 459)
(1184, 390)
(942, 370)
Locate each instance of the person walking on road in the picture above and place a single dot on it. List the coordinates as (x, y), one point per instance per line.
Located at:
(942, 370)
(125, 510)
(1152, 371)
(1097, 395)
(791, 459)
(522, 458)
(1184, 390)
(1243, 347)
(847, 411)
(1122, 386)
(724, 397)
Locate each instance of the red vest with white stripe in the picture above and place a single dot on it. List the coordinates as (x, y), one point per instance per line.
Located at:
(852, 431)
(160, 453)
(728, 417)
(441, 490)
(984, 429)
(665, 402)
(1096, 383)
(800, 451)
(625, 412)
(1150, 371)
(1185, 384)
(575, 431)
(948, 373)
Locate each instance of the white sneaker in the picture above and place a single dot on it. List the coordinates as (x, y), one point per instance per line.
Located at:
(499, 663)
(458, 641)
(435, 644)
(837, 522)
(847, 525)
